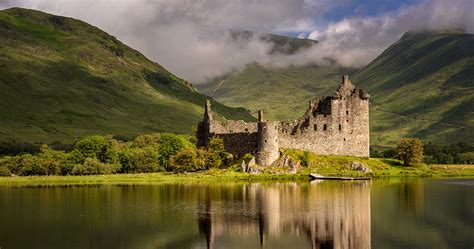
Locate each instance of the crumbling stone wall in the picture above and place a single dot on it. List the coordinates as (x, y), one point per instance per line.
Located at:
(334, 125)
(239, 137)
(337, 125)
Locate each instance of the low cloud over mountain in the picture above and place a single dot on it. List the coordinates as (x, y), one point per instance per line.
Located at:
(188, 37)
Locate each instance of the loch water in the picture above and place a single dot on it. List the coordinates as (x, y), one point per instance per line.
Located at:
(383, 213)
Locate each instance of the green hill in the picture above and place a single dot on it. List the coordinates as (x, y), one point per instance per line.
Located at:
(421, 86)
(282, 93)
(61, 78)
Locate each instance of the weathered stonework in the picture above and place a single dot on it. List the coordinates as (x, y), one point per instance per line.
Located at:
(334, 125)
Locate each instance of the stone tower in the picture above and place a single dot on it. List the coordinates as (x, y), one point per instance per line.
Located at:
(204, 127)
(267, 141)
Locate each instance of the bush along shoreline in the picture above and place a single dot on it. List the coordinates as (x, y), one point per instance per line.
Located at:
(105, 155)
(96, 154)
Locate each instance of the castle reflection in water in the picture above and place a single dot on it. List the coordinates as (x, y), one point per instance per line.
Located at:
(319, 213)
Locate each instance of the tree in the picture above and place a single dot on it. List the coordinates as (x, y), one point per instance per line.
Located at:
(170, 145)
(189, 159)
(4, 171)
(139, 160)
(53, 161)
(105, 149)
(410, 150)
(216, 144)
(93, 147)
(217, 156)
(92, 166)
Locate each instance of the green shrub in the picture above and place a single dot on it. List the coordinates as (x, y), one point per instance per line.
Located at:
(443, 158)
(51, 160)
(216, 156)
(92, 166)
(213, 160)
(305, 158)
(105, 155)
(227, 158)
(76, 157)
(80, 169)
(8, 162)
(216, 144)
(4, 171)
(170, 145)
(189, 159)
(467, 158)
(92, 147)
(106, 149)
(25, 165)
(146, 141)
(410, 150)
(140, 160)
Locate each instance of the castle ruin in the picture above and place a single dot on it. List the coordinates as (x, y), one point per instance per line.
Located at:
(334, 125)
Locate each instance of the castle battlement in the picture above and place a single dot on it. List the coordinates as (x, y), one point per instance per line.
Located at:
(334, 125)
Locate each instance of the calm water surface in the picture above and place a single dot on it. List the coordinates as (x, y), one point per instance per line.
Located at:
(379, 214)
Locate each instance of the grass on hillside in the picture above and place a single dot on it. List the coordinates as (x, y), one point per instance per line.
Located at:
(422, 86)
(282, 93)
(61, 79)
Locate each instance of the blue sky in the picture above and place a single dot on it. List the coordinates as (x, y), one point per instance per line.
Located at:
(362, 8)
(337, 10)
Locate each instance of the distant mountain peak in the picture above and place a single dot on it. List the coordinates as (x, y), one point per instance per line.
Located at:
(281, 44)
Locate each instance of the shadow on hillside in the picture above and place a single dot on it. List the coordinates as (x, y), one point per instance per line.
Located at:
(392, 162)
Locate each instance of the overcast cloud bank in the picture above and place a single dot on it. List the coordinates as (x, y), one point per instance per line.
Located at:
(187, 37)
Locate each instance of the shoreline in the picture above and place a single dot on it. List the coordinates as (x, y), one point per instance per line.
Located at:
(230, 175)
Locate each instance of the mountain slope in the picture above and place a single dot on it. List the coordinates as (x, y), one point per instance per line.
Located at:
(61, 78)
(422, 86)
(282, 93)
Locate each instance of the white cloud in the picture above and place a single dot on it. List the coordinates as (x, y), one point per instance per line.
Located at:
(354, 42)
(186, 36)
